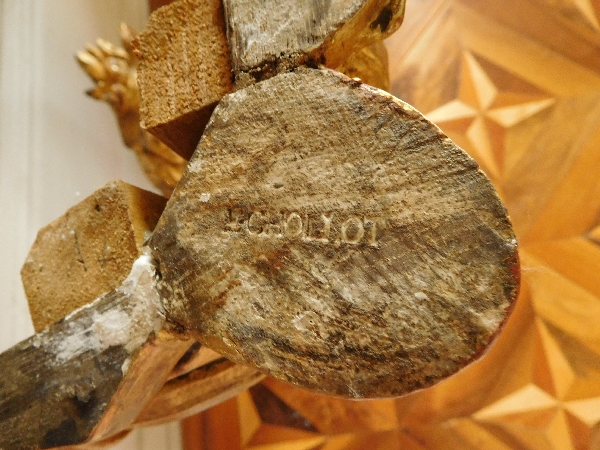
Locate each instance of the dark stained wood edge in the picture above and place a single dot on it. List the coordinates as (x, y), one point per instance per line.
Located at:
(196, 356)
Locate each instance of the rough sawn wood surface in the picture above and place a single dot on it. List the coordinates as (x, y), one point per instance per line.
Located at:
(324, 31)
(329, 234)
(184, 71)
(88, 251)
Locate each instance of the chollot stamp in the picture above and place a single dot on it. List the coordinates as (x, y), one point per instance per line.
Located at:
(327, 228)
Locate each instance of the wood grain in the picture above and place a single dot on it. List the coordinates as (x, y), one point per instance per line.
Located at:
(524, 77)
(198, 390)
(184, 71)
(97, 241)
(88, 251)
(329, 234)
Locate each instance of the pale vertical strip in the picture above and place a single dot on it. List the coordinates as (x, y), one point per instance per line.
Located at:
(56, 145)
(16, 148)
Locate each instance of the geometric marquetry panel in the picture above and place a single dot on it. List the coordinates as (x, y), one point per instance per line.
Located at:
(516, 83)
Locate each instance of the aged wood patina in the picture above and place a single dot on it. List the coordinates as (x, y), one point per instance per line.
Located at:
(328, 234)
(88, 251)
(324, 233)
(271, 36)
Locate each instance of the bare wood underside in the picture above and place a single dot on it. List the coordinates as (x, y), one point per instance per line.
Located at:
(333, 237)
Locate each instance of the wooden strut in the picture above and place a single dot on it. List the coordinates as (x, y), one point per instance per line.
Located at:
(324, 233)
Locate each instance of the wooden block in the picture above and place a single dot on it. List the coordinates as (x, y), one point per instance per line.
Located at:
(88, 251)
(155, 4)
(184, 71)
(197, 382)
(86, 378)
(264, 34)
(117, 217)
(334, 238)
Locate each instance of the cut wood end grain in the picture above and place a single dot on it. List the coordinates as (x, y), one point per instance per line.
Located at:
(184, 71)
(333, 237)
(88, 251)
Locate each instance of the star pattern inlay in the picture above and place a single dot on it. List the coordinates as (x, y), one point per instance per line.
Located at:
(487, 105)
(548, 412)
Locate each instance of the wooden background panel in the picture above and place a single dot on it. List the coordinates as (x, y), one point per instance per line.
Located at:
(56, 145)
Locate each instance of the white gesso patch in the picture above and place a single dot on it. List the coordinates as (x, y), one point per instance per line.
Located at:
(128, 326)
(125, 366)
(421, 296)
(491, 319)
(111, 328)
(204, 197)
